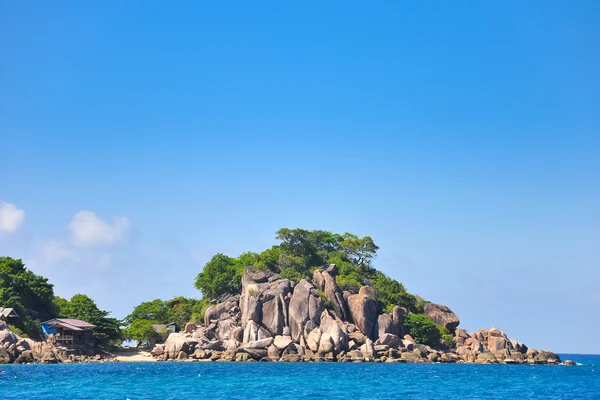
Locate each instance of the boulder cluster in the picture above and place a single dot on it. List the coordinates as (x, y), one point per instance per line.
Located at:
(276, 319)
(14, 349)
(493, 346)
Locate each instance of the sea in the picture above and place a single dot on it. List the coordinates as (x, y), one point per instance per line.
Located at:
(170, 380)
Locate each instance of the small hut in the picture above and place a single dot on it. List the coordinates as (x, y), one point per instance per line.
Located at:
(7, 314)
(69, 333)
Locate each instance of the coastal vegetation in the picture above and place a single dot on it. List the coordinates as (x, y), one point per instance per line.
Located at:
(301, 252)
(32, 297)
(297, 255)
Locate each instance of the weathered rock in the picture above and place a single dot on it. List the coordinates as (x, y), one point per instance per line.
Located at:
(7, 338)
(258, 344)
(390, 340)
(158, 350)
(326, 283)
(274, 313)
(175, 343)
(357, 336)
(367, 349)
(326, 345)
(255, 354)
(254, 332)
(251, 306)
(305, 306)
(497, 343)
(221, 309)
(331, 326)
(238, 334)
(363, 309)
(190, 327)
(281, 342)
(313, 340)
(547, 357)
(486, 358)
(386, 324)
(442, 315)
(570, 362)
(494, 332)
(273, 353)
(4, 356)
(225, 329)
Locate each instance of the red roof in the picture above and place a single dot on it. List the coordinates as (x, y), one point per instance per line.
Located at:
(74, 324)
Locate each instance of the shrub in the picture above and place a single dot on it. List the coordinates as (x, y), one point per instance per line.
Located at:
(422, 329)
(325, 299)
(447, 336)
(292, 274)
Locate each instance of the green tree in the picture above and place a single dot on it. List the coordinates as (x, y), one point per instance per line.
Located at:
(155, 310)
(29, 294)
(140, 330)
(422, 329)
(221, 275)
(82, 307)
(360, 250)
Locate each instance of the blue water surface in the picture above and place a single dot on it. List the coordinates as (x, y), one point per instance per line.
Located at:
(136, 381)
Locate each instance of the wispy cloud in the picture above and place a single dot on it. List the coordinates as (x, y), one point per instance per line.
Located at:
(87, 229)
(11, 217)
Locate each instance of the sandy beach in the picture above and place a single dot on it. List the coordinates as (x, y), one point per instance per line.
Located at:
(134, 356)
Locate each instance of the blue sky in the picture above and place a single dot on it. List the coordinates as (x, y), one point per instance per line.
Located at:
(140, 138)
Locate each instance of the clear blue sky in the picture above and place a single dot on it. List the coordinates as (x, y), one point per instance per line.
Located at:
(462, 136)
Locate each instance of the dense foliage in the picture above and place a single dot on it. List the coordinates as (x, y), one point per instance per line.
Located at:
(29, 294)
(107, 331)
(299, 254)
(422, 329)
(179, 310)
(33, 299)
(141, 330)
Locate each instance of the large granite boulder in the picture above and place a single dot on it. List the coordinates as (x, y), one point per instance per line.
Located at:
(497, 343)
(5, 357)
(220, 310)
(175, 343)
(254, 332)
(264, 300)
(326, 282)
(7, 338)
(225, 329)
(305, 308)
(363, 309)
(335, 329)
(442, 316)
(386, 324)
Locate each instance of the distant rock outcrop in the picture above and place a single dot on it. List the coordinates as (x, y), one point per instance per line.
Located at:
(442, 315)
(275, 319)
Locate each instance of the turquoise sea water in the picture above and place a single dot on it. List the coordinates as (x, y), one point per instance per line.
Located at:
(136, 381)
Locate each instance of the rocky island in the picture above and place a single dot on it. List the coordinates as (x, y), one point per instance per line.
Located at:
(314, 297)
(277, 319)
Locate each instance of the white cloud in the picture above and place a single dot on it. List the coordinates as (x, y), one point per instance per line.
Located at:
(54, 250)
(11, 218)
(87, 229)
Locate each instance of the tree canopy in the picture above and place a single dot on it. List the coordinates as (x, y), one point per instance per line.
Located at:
(298, 254)
(179, 310)
(33, 298)
(29, 294)
(82, 307)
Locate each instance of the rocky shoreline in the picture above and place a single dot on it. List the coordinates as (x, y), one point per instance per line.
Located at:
(277, 320)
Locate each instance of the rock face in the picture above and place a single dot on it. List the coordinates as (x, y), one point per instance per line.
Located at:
(442, 315)
(363, 309)
(325, 281)
(275, 319)
(305, 309)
